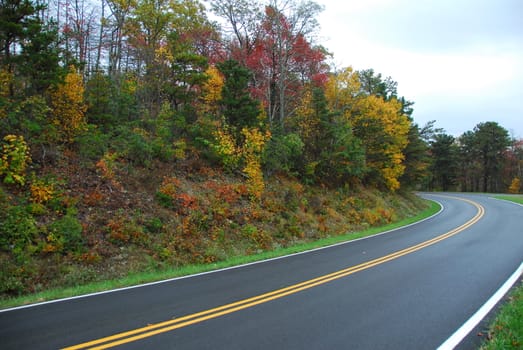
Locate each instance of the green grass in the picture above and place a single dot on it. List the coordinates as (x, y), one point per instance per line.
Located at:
(139, 278)
(506, 331)
(513, 198)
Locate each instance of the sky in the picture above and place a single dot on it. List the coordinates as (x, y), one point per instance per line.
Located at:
(459, 61)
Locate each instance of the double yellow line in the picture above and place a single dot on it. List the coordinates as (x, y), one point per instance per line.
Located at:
(162, 327)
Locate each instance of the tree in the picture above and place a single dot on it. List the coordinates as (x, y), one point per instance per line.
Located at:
(41, 56)
(15, 18)
(332, 154)
(384, 133)
(417, 158)
(492, 141)
(68, 107)
(243, 18)
(28, 48)
(470, 166)
(120, 10)
(277, 57)
(238, 107)
(444, 166)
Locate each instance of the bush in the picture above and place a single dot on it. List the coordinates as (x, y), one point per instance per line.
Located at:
(66, 233)
(17, 229)
(134, 145)
(14, 159)
(93, 144)
(284, 153)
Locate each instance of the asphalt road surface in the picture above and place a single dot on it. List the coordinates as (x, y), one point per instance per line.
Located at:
(406, 289)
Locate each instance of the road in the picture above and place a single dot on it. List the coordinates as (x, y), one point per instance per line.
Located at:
(406, 289)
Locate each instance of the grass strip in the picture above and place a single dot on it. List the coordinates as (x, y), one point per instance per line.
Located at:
(152, 276)
(513, 198)
(506, 331)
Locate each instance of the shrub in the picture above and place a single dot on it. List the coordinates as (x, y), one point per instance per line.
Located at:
(123, 229)
(66, 233)
(17, 229)
(41, 191)
(14, 159)
(284, 153)
(93, 144)
(106, 166)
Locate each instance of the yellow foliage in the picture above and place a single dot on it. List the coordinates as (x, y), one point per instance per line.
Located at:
(252, 151)
(515, 186)
(41, 191)
(170, 187)
(248, 154)
(254, 140)
(5, 81)
(212, 90)
(379, 124)
(226, 148)
(341, 89)
(384, 132)
(68, 106)
(163, 54)
(14, 159)
(307, 121)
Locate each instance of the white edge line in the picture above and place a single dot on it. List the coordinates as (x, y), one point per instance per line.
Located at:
(482, 312)
(220, 270)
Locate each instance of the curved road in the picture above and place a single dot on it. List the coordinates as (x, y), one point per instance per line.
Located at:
(406, 289)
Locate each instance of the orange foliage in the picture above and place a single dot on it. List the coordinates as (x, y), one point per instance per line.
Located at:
(106, 167)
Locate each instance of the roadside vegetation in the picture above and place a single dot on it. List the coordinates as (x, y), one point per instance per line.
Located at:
(145, 137)
(506, 331)
(512, 198)
(171, 272)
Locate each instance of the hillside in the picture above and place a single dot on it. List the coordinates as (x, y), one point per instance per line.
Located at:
(80, 227)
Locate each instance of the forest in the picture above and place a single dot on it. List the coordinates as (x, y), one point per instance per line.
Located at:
(136, 134)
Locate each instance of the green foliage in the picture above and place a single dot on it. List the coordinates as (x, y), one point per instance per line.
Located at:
(284, 153)
(417, 159)
(41, 55)
(491, 141)
(444, 167)
(100, 95)
(134, 145)
(238, 107)
(66, 233)
(18, 229)
(93, 144)
(482, 154)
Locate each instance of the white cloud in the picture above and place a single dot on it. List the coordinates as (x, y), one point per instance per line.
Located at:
(459, 61)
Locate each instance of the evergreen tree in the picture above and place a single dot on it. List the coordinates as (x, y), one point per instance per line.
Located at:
(238, 107)
(492, 141)
(444, 152)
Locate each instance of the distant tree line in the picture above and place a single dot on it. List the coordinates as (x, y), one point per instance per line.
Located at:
(486, 159)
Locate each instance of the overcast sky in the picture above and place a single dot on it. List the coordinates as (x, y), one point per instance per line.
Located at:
(460, 61)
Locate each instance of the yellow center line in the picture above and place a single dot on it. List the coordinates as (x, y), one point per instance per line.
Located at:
(166, 326)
